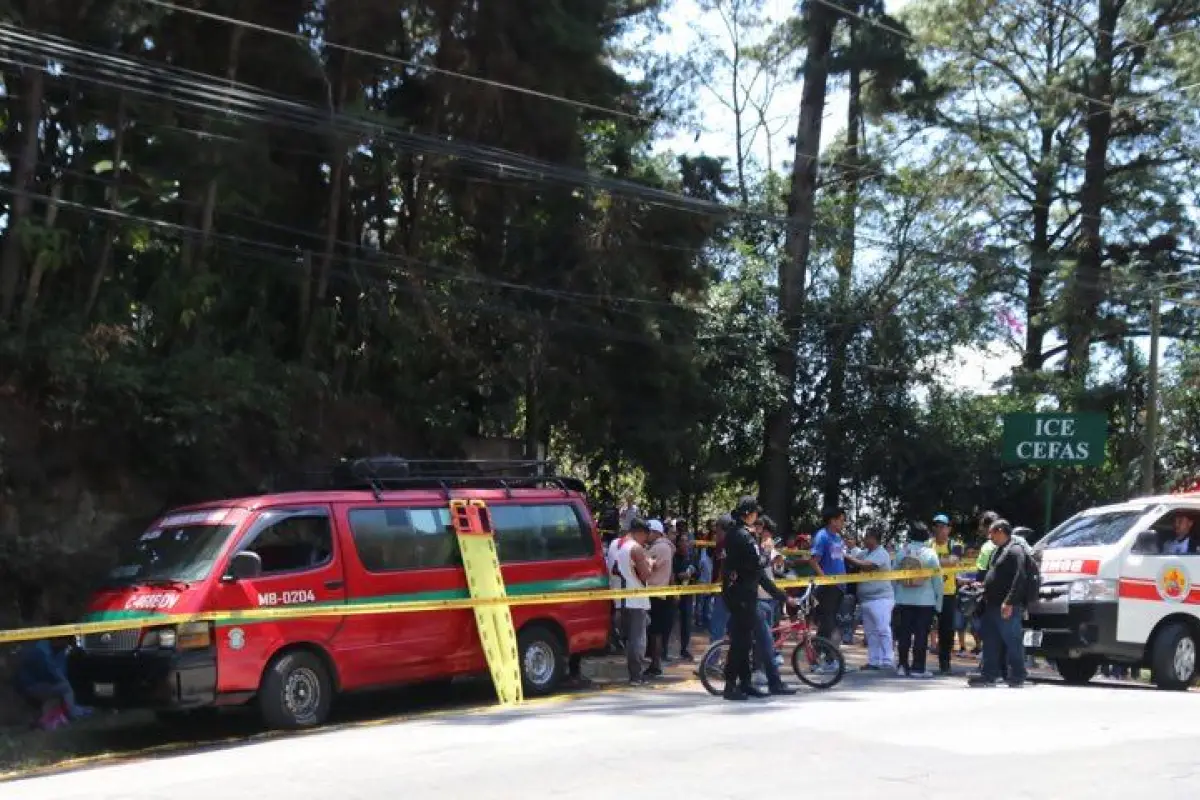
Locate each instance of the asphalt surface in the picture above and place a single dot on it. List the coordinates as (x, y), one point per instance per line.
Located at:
(892, 737)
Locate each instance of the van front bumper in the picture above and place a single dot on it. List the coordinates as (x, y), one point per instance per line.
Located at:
(164, 680)
(1084, 629)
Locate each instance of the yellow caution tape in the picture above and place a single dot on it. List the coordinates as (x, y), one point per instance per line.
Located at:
(253, 615)
(477, 544)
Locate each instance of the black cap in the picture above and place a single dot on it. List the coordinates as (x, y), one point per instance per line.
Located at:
(747, 505)
(918, 532)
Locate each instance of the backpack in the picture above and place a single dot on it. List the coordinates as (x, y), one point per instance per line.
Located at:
(1033, 578)
(910, 562)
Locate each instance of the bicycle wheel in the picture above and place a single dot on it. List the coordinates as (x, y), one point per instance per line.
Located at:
(712, 667)
(818, 663)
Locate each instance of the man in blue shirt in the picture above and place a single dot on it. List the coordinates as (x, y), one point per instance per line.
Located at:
(41, 679)
(828, 557)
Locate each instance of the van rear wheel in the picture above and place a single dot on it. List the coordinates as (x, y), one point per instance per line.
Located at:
(543, 660)
(1077, 671)
(1173, 659)
(296, 691)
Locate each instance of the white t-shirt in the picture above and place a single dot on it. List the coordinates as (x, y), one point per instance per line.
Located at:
(876, 590)
(628, 576)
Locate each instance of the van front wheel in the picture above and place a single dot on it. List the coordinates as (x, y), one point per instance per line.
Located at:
(296, 692)
(1173, 660)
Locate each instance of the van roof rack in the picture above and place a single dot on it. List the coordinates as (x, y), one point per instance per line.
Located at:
(380, 473)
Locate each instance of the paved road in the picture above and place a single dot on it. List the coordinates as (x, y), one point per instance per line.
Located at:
(886, 737)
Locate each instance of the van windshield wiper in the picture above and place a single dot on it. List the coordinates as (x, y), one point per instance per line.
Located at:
(171, 583)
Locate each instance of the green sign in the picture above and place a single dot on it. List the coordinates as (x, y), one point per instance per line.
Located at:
(1055, 439)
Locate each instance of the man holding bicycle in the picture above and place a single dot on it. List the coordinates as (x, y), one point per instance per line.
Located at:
(743, 576)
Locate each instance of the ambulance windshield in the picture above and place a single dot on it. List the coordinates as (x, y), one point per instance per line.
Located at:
(1093, 530)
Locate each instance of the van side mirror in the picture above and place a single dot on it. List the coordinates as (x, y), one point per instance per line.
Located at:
(244, 566)
(1147, 544)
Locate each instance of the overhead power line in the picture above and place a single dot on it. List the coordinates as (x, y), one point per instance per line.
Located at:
(391, 59)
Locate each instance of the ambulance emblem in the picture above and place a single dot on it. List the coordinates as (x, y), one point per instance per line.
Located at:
(1173, 583)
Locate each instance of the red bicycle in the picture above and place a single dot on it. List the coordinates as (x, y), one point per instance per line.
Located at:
(816, 661)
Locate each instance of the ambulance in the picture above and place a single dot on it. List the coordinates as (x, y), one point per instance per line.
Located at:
(1121, 585)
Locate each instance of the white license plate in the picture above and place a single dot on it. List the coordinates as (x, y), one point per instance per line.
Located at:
(103, 689)
(1033, 638)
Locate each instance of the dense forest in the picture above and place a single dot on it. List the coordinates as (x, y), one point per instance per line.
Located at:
(244, 236)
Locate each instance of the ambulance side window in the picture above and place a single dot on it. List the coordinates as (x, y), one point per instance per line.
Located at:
(294, 542)
(1174, 534)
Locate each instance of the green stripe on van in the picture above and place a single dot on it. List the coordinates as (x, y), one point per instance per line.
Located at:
(515, 590)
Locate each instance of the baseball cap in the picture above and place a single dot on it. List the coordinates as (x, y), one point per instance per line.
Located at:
(941, 519)
(656, 526)
(747, 505)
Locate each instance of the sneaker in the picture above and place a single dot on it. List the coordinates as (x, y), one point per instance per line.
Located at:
(637, 681)
(923, 675)
(979, 681)
(902, 672)
(754, 691)
(652, 672)
(781, 689)
(870, 668)
(1016, 684)
(688, 657)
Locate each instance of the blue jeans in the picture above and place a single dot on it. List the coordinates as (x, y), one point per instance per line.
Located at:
(718, 620)
(764, 644)
(998, 634)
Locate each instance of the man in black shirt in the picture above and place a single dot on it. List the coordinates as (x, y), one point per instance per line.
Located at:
(1003, 608)
(742, 576)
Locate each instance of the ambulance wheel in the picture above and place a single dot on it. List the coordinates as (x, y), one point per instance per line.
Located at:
(1173, 659)
(296, 691)
(1077, 671)
(543, 660)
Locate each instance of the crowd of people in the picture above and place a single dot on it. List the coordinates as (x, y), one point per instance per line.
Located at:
(903, 621)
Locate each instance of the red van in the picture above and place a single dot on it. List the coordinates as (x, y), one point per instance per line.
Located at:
(371, 540)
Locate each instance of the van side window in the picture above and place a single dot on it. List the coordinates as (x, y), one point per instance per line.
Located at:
(294, 542)
(540, 532)
(390, 539)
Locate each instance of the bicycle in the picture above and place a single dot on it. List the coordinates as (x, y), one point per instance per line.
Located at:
(825, 661)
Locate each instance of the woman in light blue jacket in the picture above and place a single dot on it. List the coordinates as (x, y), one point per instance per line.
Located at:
(917, 600)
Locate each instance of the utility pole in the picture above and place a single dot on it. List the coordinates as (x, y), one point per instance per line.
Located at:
(1151, 443)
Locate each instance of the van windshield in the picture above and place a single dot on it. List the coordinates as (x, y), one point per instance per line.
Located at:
(1095, 530)
(179, 554)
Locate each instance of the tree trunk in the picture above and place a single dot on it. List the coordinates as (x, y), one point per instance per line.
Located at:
(33, 86)
(208, 214)
(1087, 293)
(41, 264)
(333, 215)
(776, 464)
(840, 330)
(104, 263)
(1039, 258)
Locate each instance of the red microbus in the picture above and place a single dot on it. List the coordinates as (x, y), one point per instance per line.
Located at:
(378, 530)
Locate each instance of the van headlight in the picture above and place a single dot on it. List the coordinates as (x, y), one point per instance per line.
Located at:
(1092, 590)
(189, 636)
